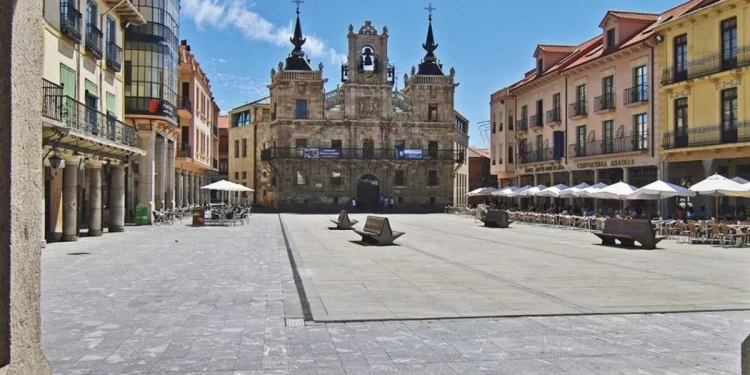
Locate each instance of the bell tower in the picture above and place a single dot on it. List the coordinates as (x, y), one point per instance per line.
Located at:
(368, 57)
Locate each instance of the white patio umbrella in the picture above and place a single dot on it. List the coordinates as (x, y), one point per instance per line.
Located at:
(533, 191)
(571, 191)
(586, 192)
(552, 191)
(225, 185)
(618, 191)
(481, 192)
(744, 194)
(519, 191)
(660, 190)
(504, 192)
(739, 180)
(717, 185)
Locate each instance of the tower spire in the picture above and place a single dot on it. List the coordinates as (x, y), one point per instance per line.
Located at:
(429, 65)
(296, 60)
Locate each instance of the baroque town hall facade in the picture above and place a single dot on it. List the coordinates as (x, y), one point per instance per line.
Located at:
(365, 138)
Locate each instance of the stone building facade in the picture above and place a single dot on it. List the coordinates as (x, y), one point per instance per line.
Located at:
(365, 138)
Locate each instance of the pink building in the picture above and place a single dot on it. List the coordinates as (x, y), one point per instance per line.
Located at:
(585, 113)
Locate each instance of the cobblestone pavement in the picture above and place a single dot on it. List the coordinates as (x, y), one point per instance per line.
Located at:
(215, 301)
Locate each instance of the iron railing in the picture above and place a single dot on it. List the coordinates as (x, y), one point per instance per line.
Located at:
(76, 115)
(183, 102)
(709, 135)
(577, 109)
(184, 150)
(357, 153)
(553, 115)
(605, 102)
(707, 65)
(94, 40)
(537, 156)
(607, 146)
(114, 56)
(522, 125)
(70, 20)
(535, 121)
(635, 94)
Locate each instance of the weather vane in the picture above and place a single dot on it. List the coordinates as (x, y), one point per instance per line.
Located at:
(298, 2)
(430, 8)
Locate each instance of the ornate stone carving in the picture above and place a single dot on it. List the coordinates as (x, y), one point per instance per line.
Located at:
(368, 29)
(413, 70)
(406, 78)
(281, 66)
(351, 29)
(385, 30)
(273, 72)
(368, 107)
(453, 72)
(320, 67)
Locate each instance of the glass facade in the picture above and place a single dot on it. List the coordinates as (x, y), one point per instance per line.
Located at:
(152, 60)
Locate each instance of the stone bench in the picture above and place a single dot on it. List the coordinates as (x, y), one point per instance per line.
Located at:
(343, 222)
(378, 231)
(496, 219)
(628, 232)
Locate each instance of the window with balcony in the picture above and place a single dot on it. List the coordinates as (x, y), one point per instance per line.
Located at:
(680, 58)
(301, 177)
(641, 132)
(681, 122)
(539, 146)
(336, 180)
(432, 112)
(608, 131)
(729, 44)
(399, 179)
(432, 149)
(432, 178)
(607, 100)
(640, 85)
(93, 33)
(729, 115)
(579, 107)
(301, 110)
(539, 113)
(368, 148)
(581, 140)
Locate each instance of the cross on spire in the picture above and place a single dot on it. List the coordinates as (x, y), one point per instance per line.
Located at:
(298, 2)
(429, 9)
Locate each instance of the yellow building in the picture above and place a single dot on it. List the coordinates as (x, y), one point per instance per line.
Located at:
(244, 154)
(86, 143)
(704, 97)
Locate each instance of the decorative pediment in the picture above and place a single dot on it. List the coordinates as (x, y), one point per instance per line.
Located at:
(368, 29)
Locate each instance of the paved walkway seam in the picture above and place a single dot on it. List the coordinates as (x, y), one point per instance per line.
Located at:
(306, 312)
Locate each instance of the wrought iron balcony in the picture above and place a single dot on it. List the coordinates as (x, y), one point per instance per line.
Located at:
(605, 102)
(608, 146)
(709, 135)
(314, 153)
(538, 156)
(70, 20)
(707, 65)
(553, 115)
(183, 102)
(522, 125)
(184, 151)
(76, 115)
(114, 56)
(635, 95)
(577, 109)
(94, 41)
(536, 121)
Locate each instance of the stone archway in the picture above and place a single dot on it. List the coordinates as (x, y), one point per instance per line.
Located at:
(368, 192)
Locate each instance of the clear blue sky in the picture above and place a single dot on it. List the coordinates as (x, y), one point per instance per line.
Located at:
(490, 42)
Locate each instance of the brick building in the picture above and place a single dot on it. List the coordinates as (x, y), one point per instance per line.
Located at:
(365, 138)
(479, 169)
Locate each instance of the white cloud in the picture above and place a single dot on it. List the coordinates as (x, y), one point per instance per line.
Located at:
(238, 15)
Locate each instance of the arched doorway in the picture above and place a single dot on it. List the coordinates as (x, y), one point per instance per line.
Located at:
(368, 192)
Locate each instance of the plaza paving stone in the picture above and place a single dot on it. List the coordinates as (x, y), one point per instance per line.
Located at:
(182, 300)
(447, 266)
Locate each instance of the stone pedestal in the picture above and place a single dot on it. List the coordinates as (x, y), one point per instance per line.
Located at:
(70, 199)
(117, 199)
(95, 197)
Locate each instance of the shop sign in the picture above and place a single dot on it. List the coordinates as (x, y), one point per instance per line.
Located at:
(604, 164)
(550, 168)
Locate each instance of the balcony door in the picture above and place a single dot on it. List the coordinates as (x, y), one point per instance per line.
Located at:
(680, 58)
(539, 147)
(729, 115)
(608, 130)
(681, 123)
(729, 44)
(581, 141)
(640, 80)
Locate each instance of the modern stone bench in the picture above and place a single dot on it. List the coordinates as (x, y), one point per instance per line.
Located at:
(343, 222)
(378, 231)
(628, 232)
(496, 219)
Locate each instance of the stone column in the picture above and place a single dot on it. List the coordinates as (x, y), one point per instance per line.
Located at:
(552, 179)
(160, 185)
(170, 201)
(195, 189)
(146, 142)
(95, 197)
(709, 168)
(117, 199)
(571, 180)
(190, 185)
(178, 188)
(596, 181)
(21, 57)
(626, 175)
(70, 199)
(185, 187)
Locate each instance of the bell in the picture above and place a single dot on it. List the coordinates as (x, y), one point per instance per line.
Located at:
(368, 60)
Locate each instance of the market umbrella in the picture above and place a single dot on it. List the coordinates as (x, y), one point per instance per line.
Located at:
(717, 185)
(552, 191)
(571, 191)
(481, 192)
(618, 191)
(506, 191)
(739, 180)
(586, 192)
(519, 192)
(225, 185)
(533, 191)
(660, 190)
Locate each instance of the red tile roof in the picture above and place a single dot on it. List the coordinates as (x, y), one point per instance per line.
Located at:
(479, 152)
(591, 49)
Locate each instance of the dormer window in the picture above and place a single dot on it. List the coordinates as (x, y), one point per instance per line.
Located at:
(539, 66)
(611, 38)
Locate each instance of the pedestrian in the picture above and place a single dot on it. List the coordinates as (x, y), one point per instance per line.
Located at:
(390, 204)
(354, 204)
